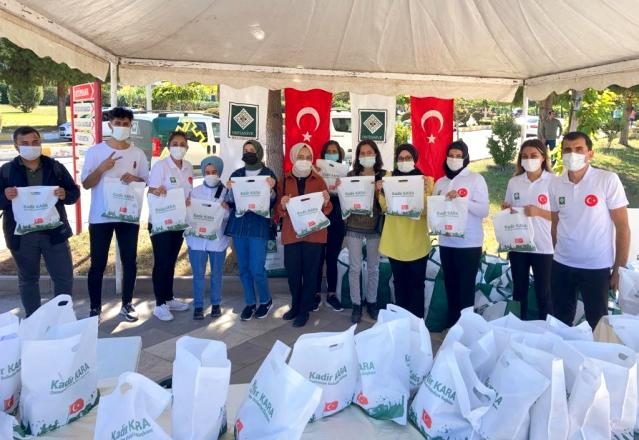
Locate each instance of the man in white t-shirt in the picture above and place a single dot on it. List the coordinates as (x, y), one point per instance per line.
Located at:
(113, 158)
(590, 232)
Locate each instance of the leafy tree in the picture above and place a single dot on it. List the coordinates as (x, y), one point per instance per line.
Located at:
(611, 128)
(341, 100)
(597, 108)
(25, 97)
(169, 96)
(503, 140)
(402, 133)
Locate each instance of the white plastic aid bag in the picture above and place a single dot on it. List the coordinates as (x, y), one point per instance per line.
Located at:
(123, 201)
(486, 350)
(205, 219)
(589, 405)
(404, 196)
(420, 358)
(306, 214)
(168, 212)
(252, 194)
(514, 231)
(629, 291)
(131, 409)
(452, 399)
(356, 195)
(59, 366)
(331, 171)
(201, 376)
(626, 328)
(8, 426)
(279, 401)
(34, 209)
(9, 362)
(468, 329)
(337, 372)
(383, 388)
(447, 217)
(581, 332)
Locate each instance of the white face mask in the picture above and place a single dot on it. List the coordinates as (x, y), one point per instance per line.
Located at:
(367, 162)
(28, 152)
(531, 165)
(120, 133)
(211, 179)
(302, 167)
(406, 167)
(574, 161)
(177, 153)
(454, 163)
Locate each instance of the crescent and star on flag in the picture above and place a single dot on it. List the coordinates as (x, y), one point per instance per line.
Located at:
(308, 111)
(430, 114)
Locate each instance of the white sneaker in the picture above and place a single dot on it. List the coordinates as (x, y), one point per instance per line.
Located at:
(163, 313)
(176, 305)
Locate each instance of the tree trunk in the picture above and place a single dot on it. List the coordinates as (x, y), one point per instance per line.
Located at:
(544, 107)
(62, 104)
(575, 105)
(274, 133)
(625, 119)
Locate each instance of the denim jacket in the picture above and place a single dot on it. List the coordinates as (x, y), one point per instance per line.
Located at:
(250, 225)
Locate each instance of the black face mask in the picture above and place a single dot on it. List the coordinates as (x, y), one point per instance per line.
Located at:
(249, 158)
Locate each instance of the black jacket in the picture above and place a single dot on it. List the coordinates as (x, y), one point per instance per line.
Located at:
(53, 174)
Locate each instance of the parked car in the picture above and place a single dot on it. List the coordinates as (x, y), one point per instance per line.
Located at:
(341, 132)
(64, 130)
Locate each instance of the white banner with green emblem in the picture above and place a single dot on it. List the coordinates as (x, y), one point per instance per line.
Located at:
(373, 117)
(242, 117)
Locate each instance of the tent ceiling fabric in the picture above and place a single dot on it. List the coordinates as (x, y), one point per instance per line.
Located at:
(421, 47)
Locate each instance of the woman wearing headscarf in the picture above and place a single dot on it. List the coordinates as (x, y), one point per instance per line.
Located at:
(405, 241)
(250, 234)
(301, 255)
(460, 256)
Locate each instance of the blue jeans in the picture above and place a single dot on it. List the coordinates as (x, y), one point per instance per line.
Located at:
(198, 261)
(251, 256)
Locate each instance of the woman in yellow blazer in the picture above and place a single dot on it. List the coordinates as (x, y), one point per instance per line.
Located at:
(405, 241)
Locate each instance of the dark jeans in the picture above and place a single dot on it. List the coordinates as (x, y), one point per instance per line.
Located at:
(408, 279)
(551, 143)
(100, 235)
(301, 261)
(567, 282)
(166, 248)
(57, 258)
(460, 266)
(520, 264)
(330, 252)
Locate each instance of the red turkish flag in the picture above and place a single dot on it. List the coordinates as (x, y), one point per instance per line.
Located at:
(432, 125)
(308, 117)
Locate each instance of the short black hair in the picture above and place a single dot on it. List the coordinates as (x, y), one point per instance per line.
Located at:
(175, 134)
(120, 113)
(21, 131)
(574, 135)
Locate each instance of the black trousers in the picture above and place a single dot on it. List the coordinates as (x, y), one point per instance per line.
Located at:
(460, 266)
(301, 261)
(100, 235)
(166, 248)
(408, 279)
(520, 264)
(330, 251)
(567, 282)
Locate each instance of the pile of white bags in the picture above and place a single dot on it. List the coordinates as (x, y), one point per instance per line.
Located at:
(629, 290)
(34, 209)
(123, 201)
(167, 212)
(9, 362)
(356, 195)
(252, 194)
(404, 196)
(306, 214)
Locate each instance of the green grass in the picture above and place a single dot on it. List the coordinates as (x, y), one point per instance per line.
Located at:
(43, 117)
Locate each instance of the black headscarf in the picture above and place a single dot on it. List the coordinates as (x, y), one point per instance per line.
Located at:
(413, 152)
(457, 145)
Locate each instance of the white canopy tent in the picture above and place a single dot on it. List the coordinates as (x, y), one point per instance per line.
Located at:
(445, 48)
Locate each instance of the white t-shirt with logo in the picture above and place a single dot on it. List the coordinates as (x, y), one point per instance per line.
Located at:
(131, 160)
(585, 232)
(471, 185)
(167, 174)
(522, 192)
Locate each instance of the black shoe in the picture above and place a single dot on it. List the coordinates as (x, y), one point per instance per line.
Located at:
(262, 310)
(301, 320)
(290, 315)
(198, 313)
(247, 313)
(356, 314)
(317, 300)
(372, 310)
(334, 303)
(215, 312)
(128, 312)
(96, 312)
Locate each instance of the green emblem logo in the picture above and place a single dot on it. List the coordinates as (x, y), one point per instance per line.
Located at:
(243, 121)
(173, 180)
(516, 196)
(372, 125)
(562, 201)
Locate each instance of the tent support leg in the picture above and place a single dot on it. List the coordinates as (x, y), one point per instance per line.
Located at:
(524, 114)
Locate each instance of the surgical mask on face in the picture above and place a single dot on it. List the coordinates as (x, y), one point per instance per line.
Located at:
(177, 152)
(333, 157)
(211, 179)
(121, 133)
(531, 165)
(302, 167)
(574, 161)
(29, 152)
(455, 163)
(367, 162)
(406, 167)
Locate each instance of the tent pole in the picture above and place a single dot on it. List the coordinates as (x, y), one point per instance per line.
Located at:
(149, 97)
(524, 111)
(113, 73)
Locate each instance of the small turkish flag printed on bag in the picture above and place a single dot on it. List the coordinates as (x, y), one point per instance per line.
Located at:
(361, 399)
(168, 221)
(202, 230)
(76, 406)
(8, 403)
(448, 227)
(238, 426)
(330, 406)
(251, 206)
(432, 127)
(404, 207)
(519, 240)
(123, 209)
(38, 221)
(311, 223)
(357, 205)
(426, 419)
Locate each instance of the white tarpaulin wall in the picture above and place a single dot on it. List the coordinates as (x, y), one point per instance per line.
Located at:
(452, 48)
